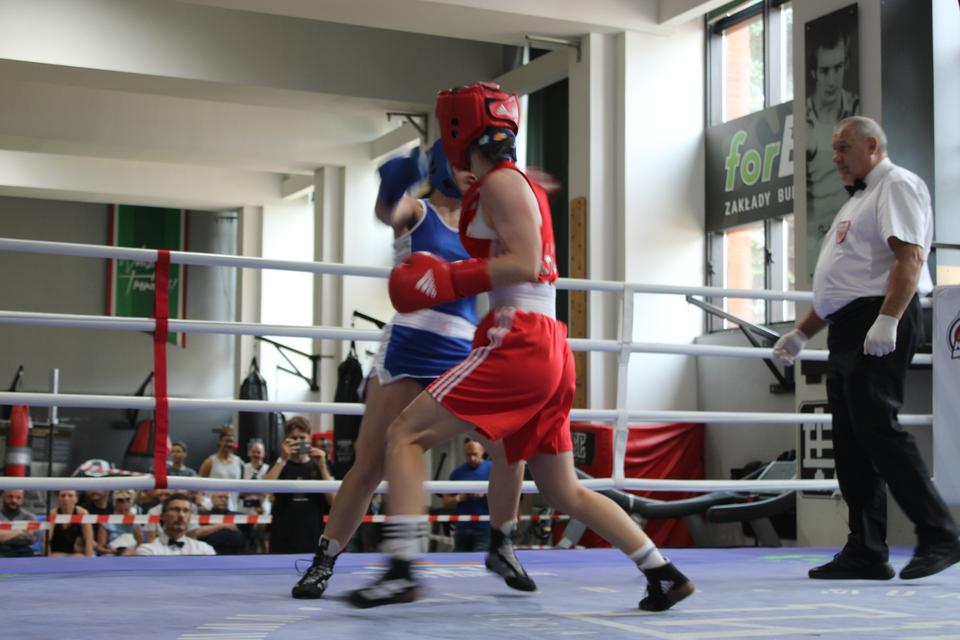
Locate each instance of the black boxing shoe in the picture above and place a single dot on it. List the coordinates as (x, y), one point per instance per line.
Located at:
(666, 586)
(314, 580)
(502, 560)
(396, 586)
(931, 559)
(846, 566)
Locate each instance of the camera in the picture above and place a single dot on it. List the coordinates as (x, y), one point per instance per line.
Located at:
(252, 503)
(303, 448)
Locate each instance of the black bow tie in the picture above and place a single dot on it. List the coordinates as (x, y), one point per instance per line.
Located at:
(177, 543)
(858, 185)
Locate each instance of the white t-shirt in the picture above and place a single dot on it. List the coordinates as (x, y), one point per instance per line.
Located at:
(249, 473)
(161, 547)
(855, 259)
(232, 469)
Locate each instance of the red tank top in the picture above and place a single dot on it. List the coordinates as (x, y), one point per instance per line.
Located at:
(480, 247)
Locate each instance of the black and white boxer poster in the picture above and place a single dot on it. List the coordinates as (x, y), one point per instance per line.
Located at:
(832, 94)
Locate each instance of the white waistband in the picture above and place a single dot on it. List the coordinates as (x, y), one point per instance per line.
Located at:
(444, 324)
(534, 297)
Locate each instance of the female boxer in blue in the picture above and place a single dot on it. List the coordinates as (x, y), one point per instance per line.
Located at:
(416, 349)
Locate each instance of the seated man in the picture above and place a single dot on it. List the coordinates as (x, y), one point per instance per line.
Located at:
(16, 543)
(173, 540)
(225, 539)
(470, 536)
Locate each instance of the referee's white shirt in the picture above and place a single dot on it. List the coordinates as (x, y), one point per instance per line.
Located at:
(855, 259)
(161, 547)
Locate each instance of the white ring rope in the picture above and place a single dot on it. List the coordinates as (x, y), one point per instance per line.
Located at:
(331, 268)
(77, 321)
(179, 483)
(85, 401)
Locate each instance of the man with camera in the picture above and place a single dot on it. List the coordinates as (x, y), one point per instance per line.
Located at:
(298, 517)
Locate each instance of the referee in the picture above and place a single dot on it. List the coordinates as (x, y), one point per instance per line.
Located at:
(865, 288)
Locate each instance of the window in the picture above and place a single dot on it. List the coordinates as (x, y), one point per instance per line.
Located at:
(759, 255)
(750, 58)
(749, 69)
(741, 82)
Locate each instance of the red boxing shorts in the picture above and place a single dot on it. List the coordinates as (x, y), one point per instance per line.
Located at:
(516, 385)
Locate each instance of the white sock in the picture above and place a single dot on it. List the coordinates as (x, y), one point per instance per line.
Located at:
(508, 528)
(402, 536)
(648, 556)
(332, 547)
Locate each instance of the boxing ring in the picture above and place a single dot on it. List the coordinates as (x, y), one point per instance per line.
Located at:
(756, 593)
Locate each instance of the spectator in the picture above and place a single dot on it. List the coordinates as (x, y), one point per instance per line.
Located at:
(117, 539)
(177, 510)
(201, 500)
(159, 496)
(16, 543)
(223, 464)
(97, 503)
(470, 536)
(256, 503)
(298, 517)
(69, 539)
(178, 461)
(226, 539)
(147, 500)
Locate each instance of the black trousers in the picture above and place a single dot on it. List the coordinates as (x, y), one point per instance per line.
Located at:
(871, 450)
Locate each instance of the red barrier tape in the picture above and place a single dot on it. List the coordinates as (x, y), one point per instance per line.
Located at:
(161, 311)
(225, 519)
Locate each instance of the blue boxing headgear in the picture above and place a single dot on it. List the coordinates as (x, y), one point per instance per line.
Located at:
(440, 177)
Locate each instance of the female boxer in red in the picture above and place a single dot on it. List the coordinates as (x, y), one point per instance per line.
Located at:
(518, 382)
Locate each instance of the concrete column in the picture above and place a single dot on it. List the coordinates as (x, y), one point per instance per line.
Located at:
(250, 243)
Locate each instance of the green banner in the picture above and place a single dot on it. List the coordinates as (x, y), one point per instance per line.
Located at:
(750, 168)
(131, 283)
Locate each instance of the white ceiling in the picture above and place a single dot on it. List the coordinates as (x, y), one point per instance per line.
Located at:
(66, 113)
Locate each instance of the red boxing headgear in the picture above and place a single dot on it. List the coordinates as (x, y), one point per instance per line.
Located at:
(465, 113)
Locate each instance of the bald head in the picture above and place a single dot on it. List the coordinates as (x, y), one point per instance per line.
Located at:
(863, 129)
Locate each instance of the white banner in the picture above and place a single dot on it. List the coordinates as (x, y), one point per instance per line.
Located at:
(946, 392)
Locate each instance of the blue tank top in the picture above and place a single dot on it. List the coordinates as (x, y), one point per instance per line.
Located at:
(434, 235)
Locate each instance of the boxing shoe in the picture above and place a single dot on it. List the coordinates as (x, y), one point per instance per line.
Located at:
(846, 566)
(313, 582)
(502, 561)
(396, 586)
(666, 586)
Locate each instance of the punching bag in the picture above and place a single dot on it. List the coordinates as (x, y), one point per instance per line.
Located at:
(139, 454)
(19, 452)
(346, 428)
(255, 426)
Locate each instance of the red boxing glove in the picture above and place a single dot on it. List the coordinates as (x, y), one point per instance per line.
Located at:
(423, 280)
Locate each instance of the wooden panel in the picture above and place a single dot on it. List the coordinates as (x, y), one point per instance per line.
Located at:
(578, 299)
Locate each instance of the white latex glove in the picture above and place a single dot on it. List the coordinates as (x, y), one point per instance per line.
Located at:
(882, 337)
(788, 346)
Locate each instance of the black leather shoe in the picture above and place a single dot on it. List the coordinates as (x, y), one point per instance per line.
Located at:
(931, 559)
(845, 567)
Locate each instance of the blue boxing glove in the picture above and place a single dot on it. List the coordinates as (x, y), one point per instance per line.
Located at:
(399, 174)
